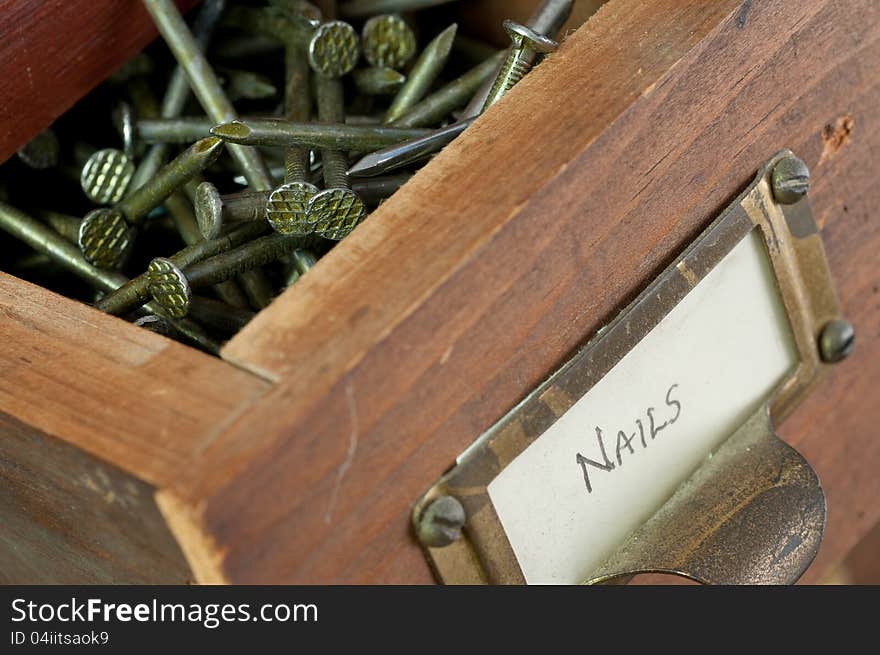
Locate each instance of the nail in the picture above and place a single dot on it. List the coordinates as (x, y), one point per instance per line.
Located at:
(388, 42)
(548, 19)
(64, 224)
(247, 85)
(42, 239)
(336, 211)
(170, 177)
(294, 25)
(472, 51)
(171, 287)
(215, 211)
(423, 74)
(301, 261)
(204, 83)
(174, 130)
(300, 11)
(333, 49)
(440, 104)
(378, 81)
(41, 152)
(527, 45)
(550, 16)
(124, 119)
(105, 234)
(273, 22)
(358, 8)
(240, 47)
(286, 206)
(219, 316)
(106, 176)
(136, 291)
(184, 219)
(408, 152)
(178, 91)
(335, 136)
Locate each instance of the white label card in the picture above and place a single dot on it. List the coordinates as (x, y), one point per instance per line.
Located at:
(601, 470)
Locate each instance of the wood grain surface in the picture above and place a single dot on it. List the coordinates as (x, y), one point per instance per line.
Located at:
(141, 402)
(69, 518)
(53, 52)
(468, 287)
(519, 241)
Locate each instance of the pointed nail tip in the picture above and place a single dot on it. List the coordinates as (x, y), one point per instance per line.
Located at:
(363, 169)
(446, 38)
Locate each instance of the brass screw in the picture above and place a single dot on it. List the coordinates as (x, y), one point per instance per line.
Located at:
(388, 41)
(836, 341)
(527, 45)
(441, 522)
(790, 179)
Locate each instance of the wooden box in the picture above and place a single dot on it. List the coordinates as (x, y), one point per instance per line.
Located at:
(296, 458)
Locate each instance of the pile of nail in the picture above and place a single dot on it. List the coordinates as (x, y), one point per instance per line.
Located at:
(335, 119)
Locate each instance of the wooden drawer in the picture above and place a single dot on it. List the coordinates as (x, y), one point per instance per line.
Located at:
(297, 457)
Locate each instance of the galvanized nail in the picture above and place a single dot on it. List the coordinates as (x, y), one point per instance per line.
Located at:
(378, 81)
(335, 136)
(135, 292)
(440, 104)
(408, 152)
(204, 83)
(106, 176)
(334, 212)
(423, 74)
(388, 42)
(178, 91)
(171, 287)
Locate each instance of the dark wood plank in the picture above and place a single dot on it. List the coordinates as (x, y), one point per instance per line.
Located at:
(53, 52)
(464, 290)
(69, 518)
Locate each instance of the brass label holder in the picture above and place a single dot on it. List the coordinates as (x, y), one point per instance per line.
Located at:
(753, 512)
